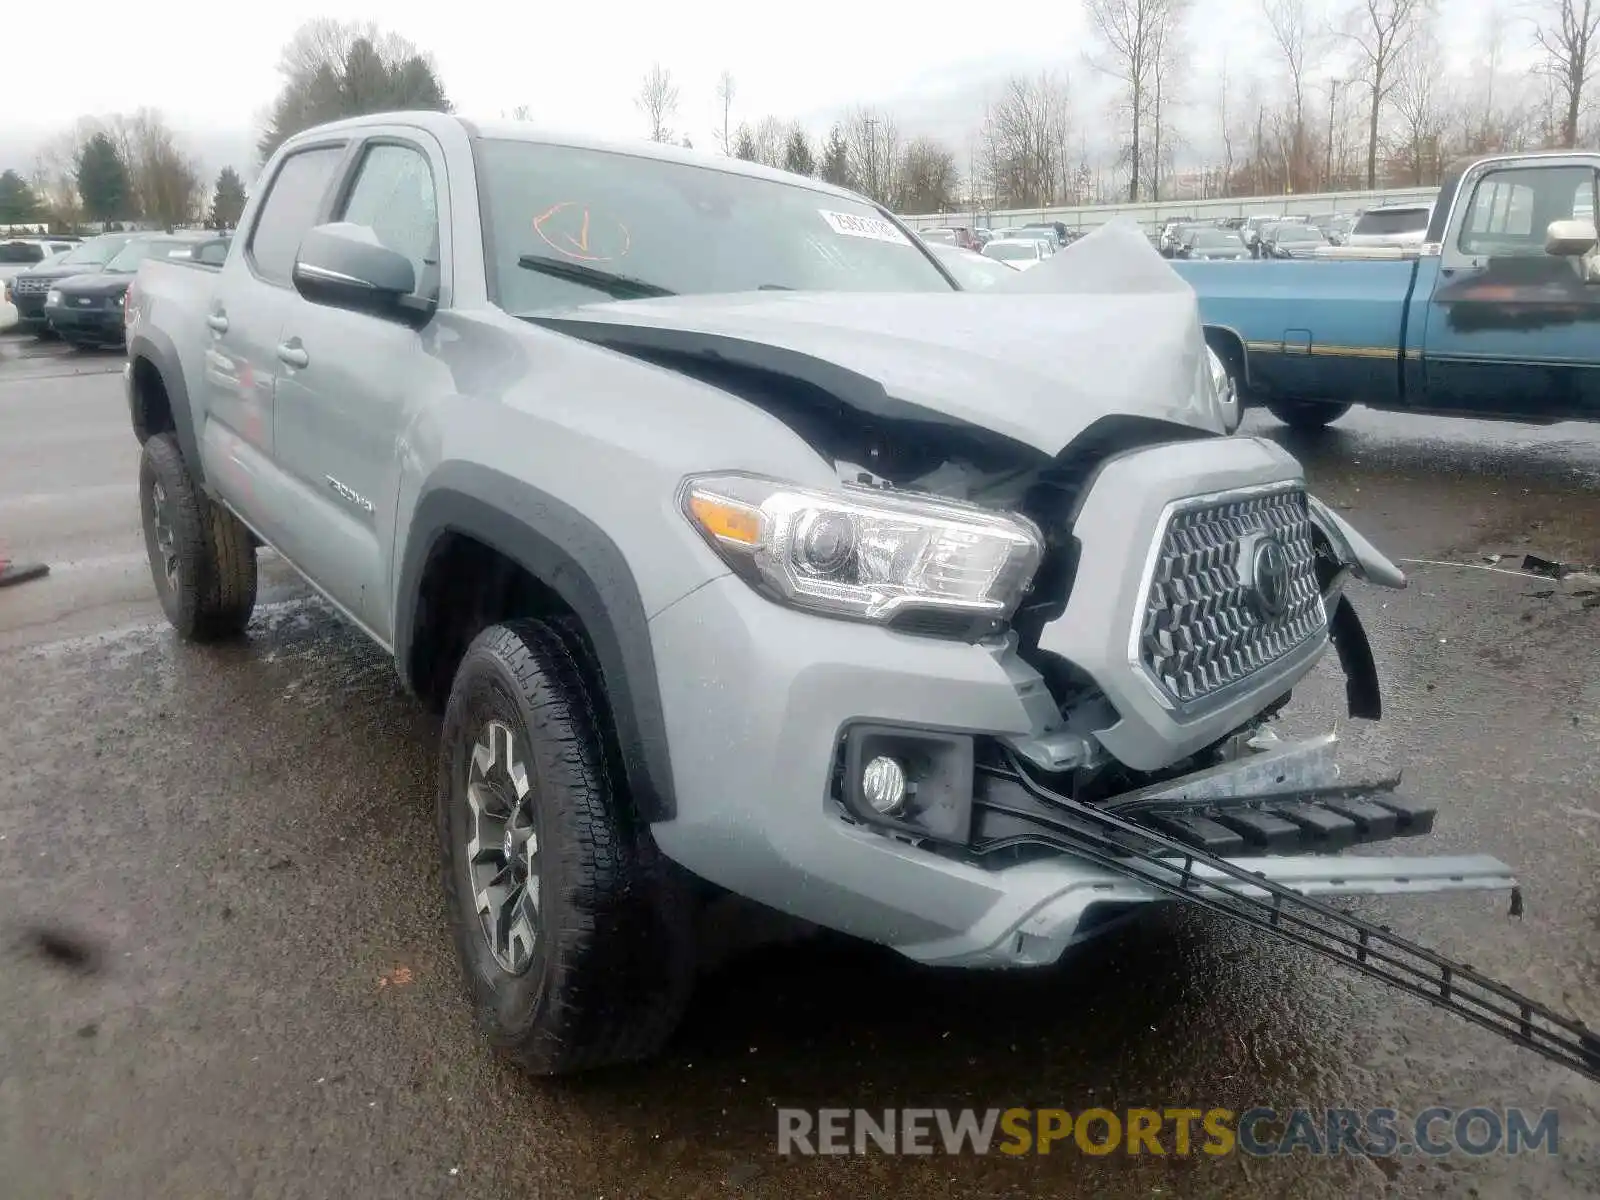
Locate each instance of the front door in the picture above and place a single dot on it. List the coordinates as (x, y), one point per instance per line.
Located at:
(1511, 329)
(349, 382)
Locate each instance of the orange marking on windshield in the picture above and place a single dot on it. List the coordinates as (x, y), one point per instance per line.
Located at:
(592, 241)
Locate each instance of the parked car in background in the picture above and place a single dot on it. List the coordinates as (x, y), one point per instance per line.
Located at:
(87, 310)
(1292, 240)
(1336, 228)
(975, 272)
(1391, 225)
(1057, 228)
(18, 254)
(1255, 225)
(1499, 323)
(1019, 252)
(30, 289)
(951, 235)
(1208, 242)
(1172, 236)
(1042, 234)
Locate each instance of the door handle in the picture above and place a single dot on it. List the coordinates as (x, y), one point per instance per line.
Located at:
(294, 355)
(218, 323)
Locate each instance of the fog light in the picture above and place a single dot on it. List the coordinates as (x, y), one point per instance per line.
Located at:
(883, 784)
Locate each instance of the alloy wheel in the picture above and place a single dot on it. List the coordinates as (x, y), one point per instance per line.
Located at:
(503, 850)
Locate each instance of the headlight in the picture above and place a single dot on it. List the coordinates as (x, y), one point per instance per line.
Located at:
(53, 296)
(864, 553)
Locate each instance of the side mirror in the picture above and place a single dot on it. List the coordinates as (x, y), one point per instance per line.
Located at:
(1570, 239)
(342, 266)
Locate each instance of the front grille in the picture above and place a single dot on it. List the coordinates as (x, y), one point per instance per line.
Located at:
(29, 287)
(1205, 625)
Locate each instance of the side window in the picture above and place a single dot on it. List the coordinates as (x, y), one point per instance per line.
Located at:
(1510, 210)
(290, 209)
(394, 197)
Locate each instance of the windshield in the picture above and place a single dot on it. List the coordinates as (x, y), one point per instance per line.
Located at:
(945, 237)
(1216, 239)
(96, 252)
(677, 227)
(1297, 233)
(127, 260)
(1010, 251)
(1396, 220)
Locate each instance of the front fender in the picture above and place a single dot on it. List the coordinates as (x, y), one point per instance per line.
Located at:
(571, 555)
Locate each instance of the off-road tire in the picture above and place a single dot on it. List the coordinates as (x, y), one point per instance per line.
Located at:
(613, 960)
(1307, 414)
(214, 590)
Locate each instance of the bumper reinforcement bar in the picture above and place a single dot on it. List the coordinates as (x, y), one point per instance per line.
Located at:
(1168, 865)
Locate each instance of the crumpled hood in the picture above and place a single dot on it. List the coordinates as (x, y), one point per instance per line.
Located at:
(1102, 328)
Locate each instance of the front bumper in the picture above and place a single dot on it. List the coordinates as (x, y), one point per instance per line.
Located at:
(759, 700)
(29, 306)
(755, 724)
(101, 323)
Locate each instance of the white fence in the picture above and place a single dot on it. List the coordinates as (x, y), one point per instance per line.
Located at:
(1153, 214)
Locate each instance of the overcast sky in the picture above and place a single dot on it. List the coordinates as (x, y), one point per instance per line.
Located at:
(211, 68)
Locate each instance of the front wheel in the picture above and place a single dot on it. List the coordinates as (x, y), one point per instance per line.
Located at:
(202, 559)
(573, 931)
(1307, 414)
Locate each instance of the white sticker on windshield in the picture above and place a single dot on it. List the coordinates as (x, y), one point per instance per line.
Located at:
(875, 228)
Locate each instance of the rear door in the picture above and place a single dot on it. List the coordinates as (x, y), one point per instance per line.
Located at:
(343, 407)
(246, 315)
(1513, 331)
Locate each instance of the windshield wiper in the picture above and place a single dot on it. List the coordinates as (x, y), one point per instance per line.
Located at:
(619, 287)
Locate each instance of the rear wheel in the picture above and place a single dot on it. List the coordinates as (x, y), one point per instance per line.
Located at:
(574, 933)
(202, 559)
(1307, 414)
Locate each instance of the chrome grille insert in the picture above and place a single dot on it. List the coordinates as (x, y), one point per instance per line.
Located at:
(1207, 623)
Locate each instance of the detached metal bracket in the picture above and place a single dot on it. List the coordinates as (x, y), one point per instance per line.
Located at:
(1183, 872)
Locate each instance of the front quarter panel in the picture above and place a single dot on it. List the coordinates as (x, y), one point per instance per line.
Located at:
(608, 436)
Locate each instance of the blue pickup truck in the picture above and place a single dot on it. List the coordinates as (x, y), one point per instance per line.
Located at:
(1496, 316)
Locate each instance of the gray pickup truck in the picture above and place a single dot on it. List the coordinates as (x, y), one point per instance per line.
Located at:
(743, 552)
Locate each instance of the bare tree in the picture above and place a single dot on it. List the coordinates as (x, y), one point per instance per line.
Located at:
(1380, 31)
(1024, 141)
(1565, 31)
(725, 94)
(1225, 125)
(1420, 102)
(1132, 38)
(928, 177)
(658, 100)
(873, 140)
(1287, 21)
(1164, 91)
(771, 136)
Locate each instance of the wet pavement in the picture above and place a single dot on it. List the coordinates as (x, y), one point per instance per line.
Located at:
(224, 969)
